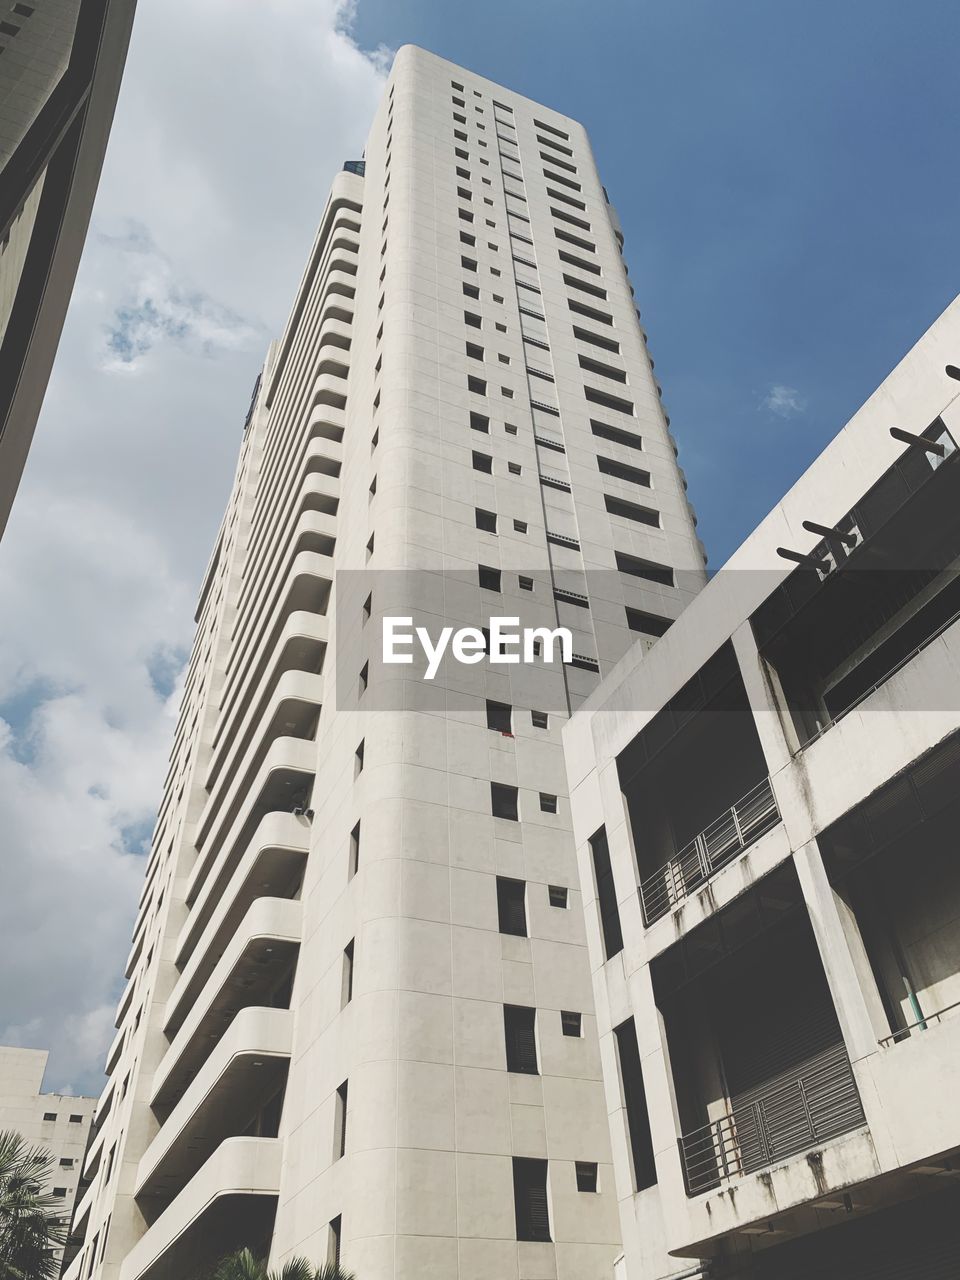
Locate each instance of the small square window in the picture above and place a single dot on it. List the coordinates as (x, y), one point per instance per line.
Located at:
(495, 271)
(463, 173)
(66, 1163)
(548, 803)
(60, 1192)
(510, 428)
(486, 520)
(514, 468)
(558, 895)
(540, 720)
(506, 392)
(502, 358)
(526, 584)
(76, 1119)
(477, 385)
(497, 298)
(464, 155)
(491, 245)
(570, 1023)
(482, 462)
(489, 577)
(500, 328)
(468, 264)
(49, 1115)
(520, 526)
(586, 1176)
(474, 351)
(472, 319)
(471, 290)
(480, 422)
(467, 238)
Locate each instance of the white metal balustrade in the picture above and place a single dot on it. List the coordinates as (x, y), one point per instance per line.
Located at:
(726, 837)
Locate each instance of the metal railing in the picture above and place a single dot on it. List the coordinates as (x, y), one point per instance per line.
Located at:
(920, 1025)
(788, 1116)
(726, 837)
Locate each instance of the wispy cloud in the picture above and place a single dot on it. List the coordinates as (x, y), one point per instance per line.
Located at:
(783, 401)
(204, 217)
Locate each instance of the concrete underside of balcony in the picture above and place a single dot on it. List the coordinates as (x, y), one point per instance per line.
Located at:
(230, 1203)
(263, 948)
(243, 1072)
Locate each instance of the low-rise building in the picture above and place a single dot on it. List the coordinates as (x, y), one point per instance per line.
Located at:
(766, 806)
(58, 1122)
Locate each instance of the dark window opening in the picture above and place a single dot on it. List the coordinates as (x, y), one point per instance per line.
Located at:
(606, 895)
(500, 716)
(504, 801)
(512, 906)
(571, 1023)
(586, 1176)
(519, 1029)
(530, 1199)
(635, 1106)
(557, 894)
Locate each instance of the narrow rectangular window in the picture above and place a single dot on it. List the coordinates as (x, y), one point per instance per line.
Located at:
(530, 1199)
(606, 894)
(647, 569)
(354, 850)
(364, 677)
(539, 719)
(340, 1122)
(635, 1105)
(558, 895)
(586, 1175)
(609, 402)
(648, 624)
(358, 758)
(622, 471)
(503, 801)
(333, 1243)
(631, 511)
(548, 803)
(489, 577)
(346, 979)
(512, 906)
(520, 1038)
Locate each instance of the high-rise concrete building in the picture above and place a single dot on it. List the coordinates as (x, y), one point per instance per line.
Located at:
(766, 810)
(60, 68)
(57, 1122)
(358, 1019)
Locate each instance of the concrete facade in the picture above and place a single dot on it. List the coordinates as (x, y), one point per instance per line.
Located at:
(60, 72)
(765, 812)
(359, 1018)
(59, 1122)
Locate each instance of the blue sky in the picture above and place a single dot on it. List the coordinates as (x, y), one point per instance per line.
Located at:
(787, 178)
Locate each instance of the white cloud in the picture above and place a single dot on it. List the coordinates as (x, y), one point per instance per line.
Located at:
(234, 117)
(785, 402)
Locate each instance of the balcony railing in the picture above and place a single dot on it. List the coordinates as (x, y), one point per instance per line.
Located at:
(922, 1024)
(735, 830)
(790, 1115)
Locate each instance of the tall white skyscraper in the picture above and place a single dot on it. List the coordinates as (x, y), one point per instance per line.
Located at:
(359, 1019)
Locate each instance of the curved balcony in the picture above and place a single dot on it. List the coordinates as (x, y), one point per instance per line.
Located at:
(289, 711)
(308, 480)
(259, 954)
(307, 586)
(229, 1202)
(273, 859)
(278, 786)
(305, 528)
(334, 332)
(243, 1072)
(300, 646)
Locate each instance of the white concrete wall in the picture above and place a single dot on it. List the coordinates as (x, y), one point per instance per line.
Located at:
(908, 1091)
